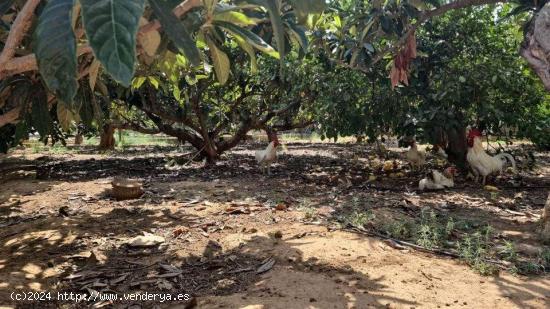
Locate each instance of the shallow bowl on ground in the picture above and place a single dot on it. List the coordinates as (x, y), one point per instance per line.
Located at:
(126, 189)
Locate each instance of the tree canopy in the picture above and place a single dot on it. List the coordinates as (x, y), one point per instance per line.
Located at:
(209, 71)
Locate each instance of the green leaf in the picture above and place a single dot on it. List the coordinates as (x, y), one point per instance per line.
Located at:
(276, 24)
(303, 8)
(176, 31)
(5, 6)
(55, 49)
(367, 28)
(419, 4)
(299, 35)
(250, 51)
(236, 18)
(154, 81)
(309, 6)
(94, 73)
(220, 60)
(177, 93)
(250, 37)
(111, 27)
(138, 81)
(40, 115)
(21, 132)
(86, 112)
(278, 29)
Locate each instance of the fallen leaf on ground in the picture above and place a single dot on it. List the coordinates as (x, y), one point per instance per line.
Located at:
(267, 264)
(177, 232)
(281, 207)
(237, 210)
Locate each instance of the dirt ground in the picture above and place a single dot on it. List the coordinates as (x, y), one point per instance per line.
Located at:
(234, 238)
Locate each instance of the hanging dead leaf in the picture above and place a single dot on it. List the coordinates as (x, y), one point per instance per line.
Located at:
(149, 41)
(94, 72)
(404, 77)
(402, 61)
(394, 76)
(66, 116)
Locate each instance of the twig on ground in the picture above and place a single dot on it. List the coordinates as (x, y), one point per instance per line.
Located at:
(500, 264)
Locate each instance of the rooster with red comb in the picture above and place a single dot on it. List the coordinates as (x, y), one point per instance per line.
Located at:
(269, 155)
(481, 163)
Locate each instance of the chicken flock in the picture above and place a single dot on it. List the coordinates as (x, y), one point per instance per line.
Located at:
(481, 163)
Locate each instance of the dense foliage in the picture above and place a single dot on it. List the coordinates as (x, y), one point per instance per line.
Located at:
(467, 72)
(75, 40)
(207, 71)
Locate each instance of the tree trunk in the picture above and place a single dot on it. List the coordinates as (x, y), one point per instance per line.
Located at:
(107, 138)
(210, 155)
(78, 139)
(545, 231)
(536, 45)
(457, 148)
(453, 141)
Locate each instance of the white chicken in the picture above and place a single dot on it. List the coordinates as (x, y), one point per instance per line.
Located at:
(269, 155)
(415, 157)
(437, 181)
(482, 163)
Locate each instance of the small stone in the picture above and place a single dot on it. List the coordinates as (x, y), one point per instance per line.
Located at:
(147, 240)
(278, 235)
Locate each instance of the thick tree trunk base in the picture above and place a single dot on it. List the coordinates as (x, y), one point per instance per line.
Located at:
(453, 142)
(78, 139)
(107, 138)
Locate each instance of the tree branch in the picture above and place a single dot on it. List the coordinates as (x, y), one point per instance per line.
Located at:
(18, 30)
(181, 134)
(179, 11)
(291, 126)
(27, 63)
(10, 117)
(135, 127)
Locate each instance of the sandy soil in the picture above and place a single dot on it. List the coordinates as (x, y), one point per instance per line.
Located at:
(64, 232)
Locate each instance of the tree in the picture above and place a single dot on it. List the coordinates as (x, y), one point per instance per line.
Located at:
(467, 72)
(215, 117)
(367, 32)
(360, 35)
(78, 41)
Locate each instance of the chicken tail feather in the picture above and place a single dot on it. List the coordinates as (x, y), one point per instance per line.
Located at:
(508, 157)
